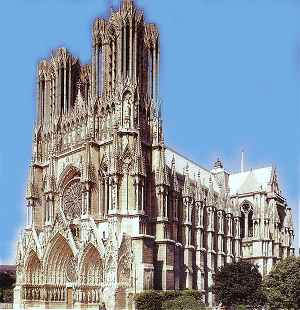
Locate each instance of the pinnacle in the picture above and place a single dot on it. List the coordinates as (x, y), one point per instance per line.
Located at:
(127, 3)
(218, 164)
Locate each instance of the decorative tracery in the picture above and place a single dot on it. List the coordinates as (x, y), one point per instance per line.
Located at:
(124, 263)
(72, 200)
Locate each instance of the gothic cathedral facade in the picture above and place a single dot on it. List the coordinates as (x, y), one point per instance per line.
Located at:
(111, 210)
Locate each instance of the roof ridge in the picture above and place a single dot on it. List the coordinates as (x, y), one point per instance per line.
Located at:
(251, 169)
(186, 158)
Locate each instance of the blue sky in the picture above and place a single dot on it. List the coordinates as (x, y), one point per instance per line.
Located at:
(230, 80)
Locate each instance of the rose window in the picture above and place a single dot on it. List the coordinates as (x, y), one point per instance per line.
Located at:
(72, 200)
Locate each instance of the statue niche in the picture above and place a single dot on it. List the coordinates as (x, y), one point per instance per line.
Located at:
(127, 109)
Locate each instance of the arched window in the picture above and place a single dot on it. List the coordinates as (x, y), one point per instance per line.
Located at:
(72, 200)
(103, 193)
(250, 223)
(246, 220)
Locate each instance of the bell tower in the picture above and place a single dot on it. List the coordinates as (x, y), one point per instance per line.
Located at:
(125, 48)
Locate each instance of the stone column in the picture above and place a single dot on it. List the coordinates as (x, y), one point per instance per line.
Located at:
(119, 55)
(135, 53)
(57, 103)
(124, 51)
(97, 78)
(65, 88)
(130, 50)
(93, 86)
(113, 57)
(246, 224)
(154, 73)
(229, 240)
(211, 253)
(221, 254)
(237, 239)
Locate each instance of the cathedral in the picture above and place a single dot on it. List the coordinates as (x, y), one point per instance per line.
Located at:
(111, 209)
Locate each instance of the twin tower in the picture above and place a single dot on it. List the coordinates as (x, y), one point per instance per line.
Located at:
(111, 211)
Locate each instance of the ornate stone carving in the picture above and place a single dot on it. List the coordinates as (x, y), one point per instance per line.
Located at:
(71, 270)
(72, 200)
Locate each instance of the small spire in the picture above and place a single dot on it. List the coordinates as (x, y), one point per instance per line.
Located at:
(210, 194)
(139, 165)
(242, 162)
(199, 192)
(175, 185)
(162, 172)
(218, 164)
(173, 163)
(31, 190)
(187, 184)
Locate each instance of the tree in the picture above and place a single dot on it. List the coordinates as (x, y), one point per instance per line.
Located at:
(282, 284)
(238, 283)
(6, 287)
(6, 280)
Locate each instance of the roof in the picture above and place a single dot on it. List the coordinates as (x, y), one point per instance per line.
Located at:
(243, 182)
(250, 181)
(181, 163)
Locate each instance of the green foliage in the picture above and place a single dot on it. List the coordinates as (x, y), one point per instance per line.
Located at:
(150, 300)
(7, 282)
(8, 295)
(282, 284)
(238, 283)
(161, 300)
(184, 302)
(193, 293)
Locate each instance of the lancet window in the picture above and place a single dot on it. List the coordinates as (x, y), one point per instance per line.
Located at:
(246, 220)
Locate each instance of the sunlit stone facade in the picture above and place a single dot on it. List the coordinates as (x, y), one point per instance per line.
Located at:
(111, 210)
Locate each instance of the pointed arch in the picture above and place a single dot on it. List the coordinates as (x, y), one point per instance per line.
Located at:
(33, 269)
(246, 202)
(91, 267)
(59, 261)
(69, 172)
(124, 263)
(247, 209)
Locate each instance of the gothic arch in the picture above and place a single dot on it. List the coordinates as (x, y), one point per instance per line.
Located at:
(246, 202)
(33, 269)
(124, 263)
(69, 172)
(91, 267)
(59, 261)
(247, 209)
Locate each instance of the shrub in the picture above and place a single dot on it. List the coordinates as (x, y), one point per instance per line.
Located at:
(183, 302)
(193, 293)
(150, 300)
(158, 300)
